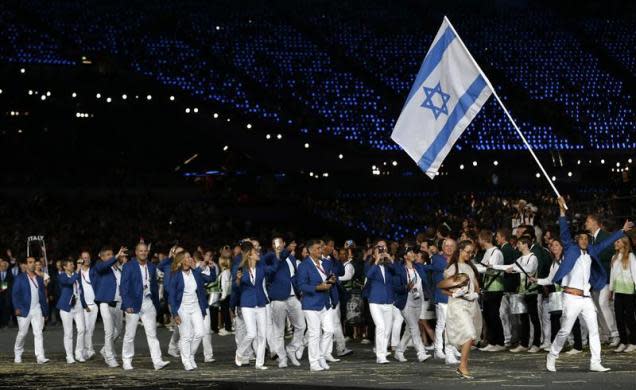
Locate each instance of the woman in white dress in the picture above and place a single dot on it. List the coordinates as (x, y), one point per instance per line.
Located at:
(463, 322)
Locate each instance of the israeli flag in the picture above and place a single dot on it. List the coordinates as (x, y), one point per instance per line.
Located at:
(449, 91)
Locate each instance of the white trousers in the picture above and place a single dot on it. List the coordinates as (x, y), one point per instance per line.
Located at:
(191, 331)
(573, 306)
(607, 319)
(68, 317)
(504, 314)
(281, 310)
(36, 321)
(544, 316)
(90, 317)
(255, 319)
(396, 327)
(382, 315)
(148, 316)
(441, 310)
(269, 335)
(208, 352)
(411, 315)
(318, 343)
(113, 319)
(338, 334)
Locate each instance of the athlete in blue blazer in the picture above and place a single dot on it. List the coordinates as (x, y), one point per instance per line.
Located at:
(72, 305)
(29, 312)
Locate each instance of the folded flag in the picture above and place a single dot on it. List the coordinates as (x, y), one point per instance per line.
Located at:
(448, 92)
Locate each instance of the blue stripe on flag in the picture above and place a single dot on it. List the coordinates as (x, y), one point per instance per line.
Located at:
(458, 113)
(430, 62)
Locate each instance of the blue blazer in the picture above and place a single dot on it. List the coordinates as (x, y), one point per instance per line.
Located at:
(598, 276)
(380, 290)
(281, 281)
(21, 295)
(401, 281)
(132, 288)
(106, 286)
(338, 270)
(308, 278)
(437, 267)
(66, 291)
(253, 294)
(176, 290)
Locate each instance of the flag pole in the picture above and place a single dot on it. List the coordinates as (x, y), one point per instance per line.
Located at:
(494, 92)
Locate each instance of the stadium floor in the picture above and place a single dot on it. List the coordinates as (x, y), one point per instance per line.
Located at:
(492, 371)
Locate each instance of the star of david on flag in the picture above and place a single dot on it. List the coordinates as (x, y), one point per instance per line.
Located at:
(448, 92)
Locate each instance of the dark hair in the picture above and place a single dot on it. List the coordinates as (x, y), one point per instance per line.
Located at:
(528, 230)
(504, 232)
(312, 242)
(596, 218)
(326, 239)
(246, 246)
(454, 260)
(525, 239)
(106, 248)
(485, 235)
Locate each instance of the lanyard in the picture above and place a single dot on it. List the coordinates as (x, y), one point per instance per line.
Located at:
(145, 267)
(320, 268)
(34, 281)
(252, 275)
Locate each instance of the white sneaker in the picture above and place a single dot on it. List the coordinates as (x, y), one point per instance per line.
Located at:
(173, 353)
(573, 351)
(399, 356)
(423, 358)
(261, 367)
(80, 359)
(193, 364)
(188, 367)
(127, 365)
(451, 359)
(520, 348)
(365, 341)
(70, 361)
(498, 348)
(630, 348)
(316, 368)
(112, 363)
(545, 346)
(331, 359)
(344, 352)
(238, 361)
(487, 348)
(43, 361)
(440, 355)
(534, 349)
(615, 342)
(17, 360)
(282, 363)
(550, 363)
(292, 359)
(621, 348)
(429, 347)
(209, 360)
(382, 361)
(89, 355)
(161, 365)
(223, 332)
(597, 367)
(323, 364)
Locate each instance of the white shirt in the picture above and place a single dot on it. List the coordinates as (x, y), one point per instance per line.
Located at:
(89, 293)
(292, 272)
(382, 271)
(35, 297)
(579, 276)
(322, 275)
(226, 283)
(189, 299)
(117, 272)
(493, 257)
(553, 270)
(145, 279)
(349, 272)
(412, 276)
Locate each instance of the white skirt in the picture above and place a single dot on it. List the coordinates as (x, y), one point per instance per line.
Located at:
(463, 321)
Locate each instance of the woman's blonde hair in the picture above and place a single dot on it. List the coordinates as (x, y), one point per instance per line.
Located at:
(627, 249)
(178, 261)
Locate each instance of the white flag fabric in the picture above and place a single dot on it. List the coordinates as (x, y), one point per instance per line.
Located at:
(448, 92)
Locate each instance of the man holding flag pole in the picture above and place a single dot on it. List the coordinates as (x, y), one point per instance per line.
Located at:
(449, 90)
